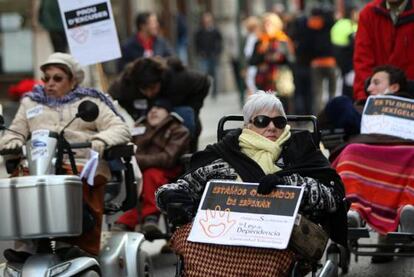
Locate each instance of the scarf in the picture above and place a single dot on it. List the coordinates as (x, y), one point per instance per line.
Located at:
(265, 40)
(262, 150)
(38, 95)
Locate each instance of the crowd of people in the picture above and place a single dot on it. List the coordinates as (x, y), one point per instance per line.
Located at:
(286, 62)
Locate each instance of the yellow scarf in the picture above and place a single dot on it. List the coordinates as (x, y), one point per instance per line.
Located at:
(262, 150)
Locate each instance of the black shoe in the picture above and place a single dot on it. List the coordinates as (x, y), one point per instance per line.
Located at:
(150, 227)
(381, 259)
(13, 256)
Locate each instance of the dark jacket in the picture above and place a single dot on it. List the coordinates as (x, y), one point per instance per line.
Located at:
(131, 49)
(208, 42)
(300, 155)
(182, 87)
(161, 146)
(378, 41)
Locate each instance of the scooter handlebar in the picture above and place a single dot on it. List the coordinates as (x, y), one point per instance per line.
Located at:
(14, 151)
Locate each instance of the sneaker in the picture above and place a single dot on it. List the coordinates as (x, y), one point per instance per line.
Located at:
(407, 219)
(14, 256)
(354, 219)
(150, 227)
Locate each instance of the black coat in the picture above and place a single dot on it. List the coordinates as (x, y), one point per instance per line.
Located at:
(300, 155)
(182, 87)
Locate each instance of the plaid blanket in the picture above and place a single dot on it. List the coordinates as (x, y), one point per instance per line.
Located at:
(379, 181)
(203, 260)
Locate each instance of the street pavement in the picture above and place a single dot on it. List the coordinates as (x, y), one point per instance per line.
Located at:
(213, 110)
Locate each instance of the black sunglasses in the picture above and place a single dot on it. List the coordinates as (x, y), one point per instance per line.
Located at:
(56, 78)
(262, 121)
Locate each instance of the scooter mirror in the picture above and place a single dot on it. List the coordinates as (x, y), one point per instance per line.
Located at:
(88, 111)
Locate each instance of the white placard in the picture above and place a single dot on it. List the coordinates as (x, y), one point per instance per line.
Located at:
(232, 213)
(388, 115)
(90, 30)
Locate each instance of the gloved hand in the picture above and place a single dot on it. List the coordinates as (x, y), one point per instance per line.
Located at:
(179, 206)
(268, 183)
(215, 170)
(98, 146)
(13, 144)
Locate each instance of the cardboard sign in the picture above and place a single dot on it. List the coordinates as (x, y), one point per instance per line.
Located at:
(90, 30)
(233, 213)
(388, 115)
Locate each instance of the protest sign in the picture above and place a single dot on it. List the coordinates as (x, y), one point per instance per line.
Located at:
(233, 213)
(90, 30)
(388, 115)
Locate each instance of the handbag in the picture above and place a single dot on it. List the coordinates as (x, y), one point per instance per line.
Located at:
(308, 239)
(285, 86)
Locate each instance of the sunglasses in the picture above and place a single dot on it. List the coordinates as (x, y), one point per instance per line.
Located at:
(55, 78)
(262, 121)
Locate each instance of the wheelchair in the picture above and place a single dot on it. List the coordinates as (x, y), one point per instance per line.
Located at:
(336, 255)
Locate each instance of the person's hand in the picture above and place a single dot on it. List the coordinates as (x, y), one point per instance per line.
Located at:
(215, 170)
(98, 146)
(13, 144)
(268, 183)
(179, 206)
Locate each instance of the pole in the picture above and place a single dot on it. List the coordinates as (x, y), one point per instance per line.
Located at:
(103, 80)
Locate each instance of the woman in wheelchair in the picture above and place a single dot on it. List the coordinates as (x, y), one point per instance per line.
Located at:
(52, 106)
(266, 151)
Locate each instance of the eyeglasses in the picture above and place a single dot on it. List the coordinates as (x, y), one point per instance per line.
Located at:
(262, 121)
(55, 78)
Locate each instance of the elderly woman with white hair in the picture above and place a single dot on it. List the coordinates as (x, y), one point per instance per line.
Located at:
(52, 106)
(266, 151)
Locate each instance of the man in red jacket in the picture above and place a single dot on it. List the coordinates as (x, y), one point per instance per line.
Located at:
(385, 36)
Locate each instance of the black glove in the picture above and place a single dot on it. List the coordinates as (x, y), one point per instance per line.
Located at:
(179, 206)
(216, 170)
(268, 183)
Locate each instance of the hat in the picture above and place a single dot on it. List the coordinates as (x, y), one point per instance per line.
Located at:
(163, 103)
(69, 61)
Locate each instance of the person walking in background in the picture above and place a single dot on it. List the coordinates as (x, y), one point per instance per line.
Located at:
(384, 36)
(273, 49)
(302, 40)
(51, 20)
(146, 42)
(252, 25)
(343, 37)
(208, 46)
(323, 64)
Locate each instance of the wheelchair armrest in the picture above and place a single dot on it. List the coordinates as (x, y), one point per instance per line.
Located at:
(119, 151)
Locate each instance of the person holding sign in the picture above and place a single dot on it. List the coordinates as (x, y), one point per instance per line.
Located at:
(340, 112)
(267, 152)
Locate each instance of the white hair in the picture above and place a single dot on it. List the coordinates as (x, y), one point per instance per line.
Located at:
(261, 101)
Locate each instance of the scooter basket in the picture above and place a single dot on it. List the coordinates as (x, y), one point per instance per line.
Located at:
(40, 207)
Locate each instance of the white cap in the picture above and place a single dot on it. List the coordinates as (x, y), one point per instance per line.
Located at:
(69, 61)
